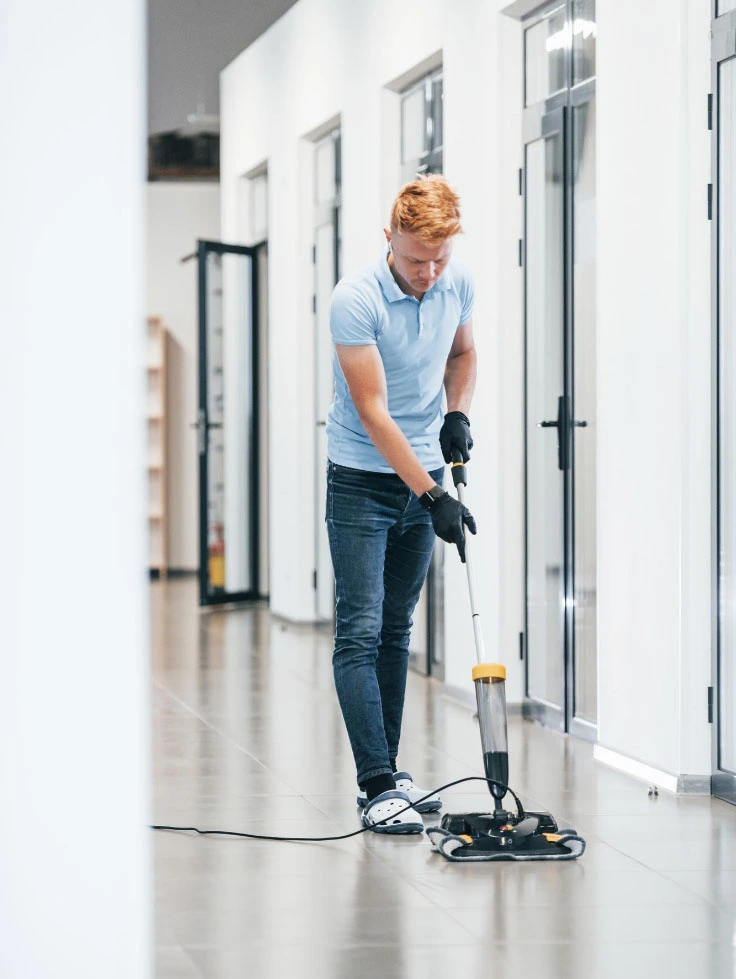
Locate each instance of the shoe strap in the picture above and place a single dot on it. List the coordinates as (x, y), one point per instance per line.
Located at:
(386, 797)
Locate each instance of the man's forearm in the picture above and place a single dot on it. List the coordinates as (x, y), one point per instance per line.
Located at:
(460, 374)
(395, 449)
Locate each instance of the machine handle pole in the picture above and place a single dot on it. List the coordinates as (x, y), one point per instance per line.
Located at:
(460, 478)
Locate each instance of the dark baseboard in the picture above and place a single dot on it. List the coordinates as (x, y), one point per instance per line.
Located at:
(155, 574)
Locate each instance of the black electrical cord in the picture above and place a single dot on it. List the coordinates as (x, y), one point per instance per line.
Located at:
(345, 836)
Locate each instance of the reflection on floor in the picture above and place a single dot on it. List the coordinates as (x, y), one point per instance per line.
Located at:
(248, 736)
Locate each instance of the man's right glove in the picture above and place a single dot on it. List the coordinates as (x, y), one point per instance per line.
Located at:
(448, 516)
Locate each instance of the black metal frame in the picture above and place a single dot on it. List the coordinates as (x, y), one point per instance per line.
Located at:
(204, 248)
(555, 115)
(723, 34)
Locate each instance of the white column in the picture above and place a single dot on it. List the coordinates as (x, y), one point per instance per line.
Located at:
(74, 847)
(654, 384)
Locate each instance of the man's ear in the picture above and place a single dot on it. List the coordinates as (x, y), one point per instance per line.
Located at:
(387, 232)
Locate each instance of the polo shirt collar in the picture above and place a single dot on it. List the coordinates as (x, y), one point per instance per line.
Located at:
(390, 286)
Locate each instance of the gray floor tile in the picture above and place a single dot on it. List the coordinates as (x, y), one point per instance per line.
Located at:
(616, 924)
(338, 924)
(319, 962)
(718, 887)
(645, 960)
(175, 963)
(236, 748)
(543, 886)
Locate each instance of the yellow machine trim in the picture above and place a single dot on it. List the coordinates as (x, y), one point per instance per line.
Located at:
(489, 671)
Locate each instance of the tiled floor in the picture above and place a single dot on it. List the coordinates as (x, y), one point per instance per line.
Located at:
(248, 736)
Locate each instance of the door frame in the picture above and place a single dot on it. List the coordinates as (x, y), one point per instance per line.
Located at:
(328, 212)
(723, 48)
(203, 425)
(541, 120)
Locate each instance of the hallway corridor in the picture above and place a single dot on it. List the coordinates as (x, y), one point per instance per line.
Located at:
(247, 736)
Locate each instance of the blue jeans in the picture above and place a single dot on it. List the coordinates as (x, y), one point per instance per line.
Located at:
(381, 541)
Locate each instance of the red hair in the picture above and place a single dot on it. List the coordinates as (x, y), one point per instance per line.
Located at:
(428, 208)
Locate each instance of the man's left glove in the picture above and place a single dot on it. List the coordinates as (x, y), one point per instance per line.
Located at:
(455, 434)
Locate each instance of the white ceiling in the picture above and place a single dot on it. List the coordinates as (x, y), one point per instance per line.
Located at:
(189, 43)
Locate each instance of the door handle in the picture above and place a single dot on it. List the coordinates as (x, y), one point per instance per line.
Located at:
(562, 424)
(203, 426)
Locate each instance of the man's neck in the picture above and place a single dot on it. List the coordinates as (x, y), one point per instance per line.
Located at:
(404, 286)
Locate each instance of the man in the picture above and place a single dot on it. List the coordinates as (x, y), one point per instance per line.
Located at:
(402, 330)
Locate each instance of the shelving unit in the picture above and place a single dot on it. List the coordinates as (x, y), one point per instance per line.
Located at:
(156, 363)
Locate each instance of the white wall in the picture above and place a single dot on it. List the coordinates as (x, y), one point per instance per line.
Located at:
(340, 57)
(75, 888)
(326, 58)
(654, 382)
(179, 214)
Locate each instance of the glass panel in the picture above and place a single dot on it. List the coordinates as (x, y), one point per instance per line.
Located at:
(544, 384)
(324, 283)
(229, 410)
(419, 633)
(215, 447)
(545, 46)
(727, 334)
(237, 417)
(584, 439)
(437, 119)
(724, 6)
(583, 40)
(263, 401)
(413, 125)
(325, 171)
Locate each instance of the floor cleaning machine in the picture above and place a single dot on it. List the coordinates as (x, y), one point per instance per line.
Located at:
(501, 834)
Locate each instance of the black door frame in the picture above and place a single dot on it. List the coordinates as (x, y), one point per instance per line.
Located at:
(723, 48)
(206, 596)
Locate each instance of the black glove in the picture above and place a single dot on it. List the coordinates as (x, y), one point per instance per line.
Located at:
(455, 434)
(448, 517)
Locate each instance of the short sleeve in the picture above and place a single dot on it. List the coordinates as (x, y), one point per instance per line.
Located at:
(353, 318)
(467, 298)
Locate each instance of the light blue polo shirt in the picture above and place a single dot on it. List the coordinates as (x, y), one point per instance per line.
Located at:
(414, 340)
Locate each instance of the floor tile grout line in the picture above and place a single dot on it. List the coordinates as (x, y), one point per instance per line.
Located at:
(209, 725)
(195, 966)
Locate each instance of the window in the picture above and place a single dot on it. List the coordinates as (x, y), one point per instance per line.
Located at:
(422, 130)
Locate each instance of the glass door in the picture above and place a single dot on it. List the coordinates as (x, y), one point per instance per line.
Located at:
(724, 297)
(558, 182)
(228, 424)
(547, 430)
